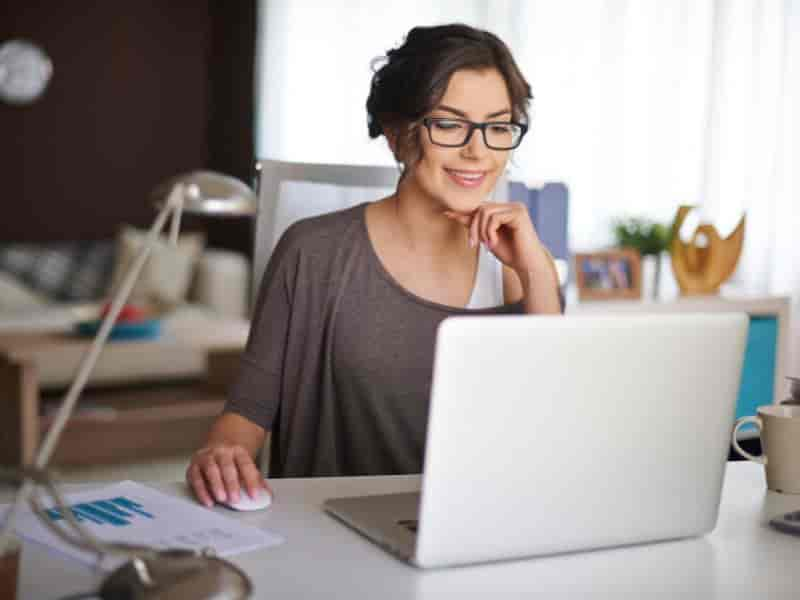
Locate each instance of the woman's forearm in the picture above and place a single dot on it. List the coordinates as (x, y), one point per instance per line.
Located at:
(540, 287)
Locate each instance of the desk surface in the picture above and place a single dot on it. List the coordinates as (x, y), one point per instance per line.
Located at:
(742, 557)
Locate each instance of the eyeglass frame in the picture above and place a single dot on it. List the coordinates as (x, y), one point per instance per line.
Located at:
(426, 121)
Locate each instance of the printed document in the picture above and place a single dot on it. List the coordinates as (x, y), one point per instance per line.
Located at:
(137, 514)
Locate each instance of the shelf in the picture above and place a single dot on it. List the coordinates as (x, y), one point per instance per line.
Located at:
(166, 408)
(136, 424)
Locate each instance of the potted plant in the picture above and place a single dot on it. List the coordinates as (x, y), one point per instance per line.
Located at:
(649, 237)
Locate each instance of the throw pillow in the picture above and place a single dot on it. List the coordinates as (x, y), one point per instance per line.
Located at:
(16, 296)
(75, 271)
(166, 276)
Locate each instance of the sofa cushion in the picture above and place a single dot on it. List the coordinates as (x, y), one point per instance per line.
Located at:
(167, 274)
(16, 296)
(222, 282)
(63, 271)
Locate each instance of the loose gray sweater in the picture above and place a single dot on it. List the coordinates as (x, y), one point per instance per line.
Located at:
(339, 360)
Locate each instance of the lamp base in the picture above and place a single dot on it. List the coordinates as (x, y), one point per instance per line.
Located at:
(176, 575)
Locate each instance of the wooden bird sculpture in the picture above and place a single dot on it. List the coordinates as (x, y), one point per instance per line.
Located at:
(702, 269)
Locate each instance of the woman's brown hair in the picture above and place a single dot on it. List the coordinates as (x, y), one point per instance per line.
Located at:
(412, 79)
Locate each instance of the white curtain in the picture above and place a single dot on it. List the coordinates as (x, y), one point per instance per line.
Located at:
(313, 72)
(640, 105)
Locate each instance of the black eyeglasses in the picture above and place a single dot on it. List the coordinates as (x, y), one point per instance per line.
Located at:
(454, 133)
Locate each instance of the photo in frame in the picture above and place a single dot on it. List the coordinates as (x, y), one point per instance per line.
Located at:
(609, 274)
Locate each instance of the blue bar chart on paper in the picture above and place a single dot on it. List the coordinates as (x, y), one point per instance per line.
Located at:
(131, 513)
(119, 512)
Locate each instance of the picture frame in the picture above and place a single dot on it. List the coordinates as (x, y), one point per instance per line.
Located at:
(614, 274)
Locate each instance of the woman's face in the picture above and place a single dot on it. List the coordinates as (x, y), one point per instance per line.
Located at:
(459, 179)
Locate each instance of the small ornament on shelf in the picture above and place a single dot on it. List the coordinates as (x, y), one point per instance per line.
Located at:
(707, 260)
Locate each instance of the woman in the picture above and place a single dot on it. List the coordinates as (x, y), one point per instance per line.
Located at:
(339, 360)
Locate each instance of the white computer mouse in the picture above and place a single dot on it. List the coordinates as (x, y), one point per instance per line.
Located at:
(262, 500)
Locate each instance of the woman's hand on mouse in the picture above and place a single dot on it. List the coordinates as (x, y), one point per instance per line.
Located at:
(506, 229)
(218, 470)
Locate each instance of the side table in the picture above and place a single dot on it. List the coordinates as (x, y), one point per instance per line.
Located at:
(146, 398)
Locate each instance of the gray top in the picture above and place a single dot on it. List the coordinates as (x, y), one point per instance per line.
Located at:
(339, 360)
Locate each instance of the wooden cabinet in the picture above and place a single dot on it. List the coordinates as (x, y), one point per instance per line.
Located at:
(115, 422)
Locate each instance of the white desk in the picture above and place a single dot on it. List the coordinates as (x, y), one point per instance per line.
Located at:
(742, 558)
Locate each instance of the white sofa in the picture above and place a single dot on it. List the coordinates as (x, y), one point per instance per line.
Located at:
(221, 285)
(214, 318)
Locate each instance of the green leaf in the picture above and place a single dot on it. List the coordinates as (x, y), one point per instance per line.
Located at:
(645, 235)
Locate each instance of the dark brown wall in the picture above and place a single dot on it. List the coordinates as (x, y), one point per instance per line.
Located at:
(141, 91)
(231, 135)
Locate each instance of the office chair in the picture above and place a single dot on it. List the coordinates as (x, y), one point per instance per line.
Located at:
(288, 192)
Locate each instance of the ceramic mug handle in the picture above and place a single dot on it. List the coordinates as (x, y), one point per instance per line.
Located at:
(739, 423)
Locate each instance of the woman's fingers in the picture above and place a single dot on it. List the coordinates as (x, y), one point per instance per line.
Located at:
(494, 222)
(230, 474)
(484, 223)
(213, 477)
(468, 221)
(198, 485)
(486, 217)
(248, 471)
(475, 230)
(217, 474)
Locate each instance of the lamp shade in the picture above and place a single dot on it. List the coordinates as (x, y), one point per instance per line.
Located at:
(210, 193)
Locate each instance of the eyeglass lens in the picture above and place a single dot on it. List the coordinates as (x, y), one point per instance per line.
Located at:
(500, 136)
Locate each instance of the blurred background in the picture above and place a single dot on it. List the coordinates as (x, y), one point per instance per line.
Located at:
(639, 106)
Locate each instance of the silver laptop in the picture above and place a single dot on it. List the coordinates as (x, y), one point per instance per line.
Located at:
(555, 434)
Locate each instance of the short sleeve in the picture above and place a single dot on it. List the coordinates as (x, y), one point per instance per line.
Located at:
(256, 391)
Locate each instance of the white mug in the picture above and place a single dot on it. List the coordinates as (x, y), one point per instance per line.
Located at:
(779, 430)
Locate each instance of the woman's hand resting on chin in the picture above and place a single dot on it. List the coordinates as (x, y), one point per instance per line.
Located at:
(506, 229)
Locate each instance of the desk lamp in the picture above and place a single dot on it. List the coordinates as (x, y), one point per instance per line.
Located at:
(150, 572)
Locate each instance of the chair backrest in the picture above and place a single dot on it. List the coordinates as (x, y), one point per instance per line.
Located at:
(289, 191)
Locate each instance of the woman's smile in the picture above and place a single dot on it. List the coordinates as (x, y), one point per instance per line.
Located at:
(467, 178)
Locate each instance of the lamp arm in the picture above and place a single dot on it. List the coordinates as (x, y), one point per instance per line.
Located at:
(90, 358)
(174, 203)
